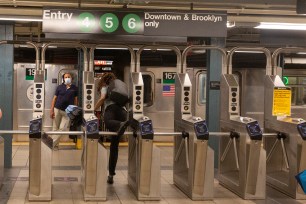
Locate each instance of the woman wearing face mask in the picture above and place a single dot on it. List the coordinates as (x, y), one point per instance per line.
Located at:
(66, 94)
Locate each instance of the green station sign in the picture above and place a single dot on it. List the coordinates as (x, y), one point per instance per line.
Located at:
(196, 24)
(30, 73)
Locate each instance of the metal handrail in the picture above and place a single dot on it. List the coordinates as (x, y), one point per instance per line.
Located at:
(203, 47)
(261, 49)
(92, 50)
(67, 45)
(17, 42)
(155, 47)
(278, 51)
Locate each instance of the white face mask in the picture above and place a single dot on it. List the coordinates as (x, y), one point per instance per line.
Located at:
(67, 81)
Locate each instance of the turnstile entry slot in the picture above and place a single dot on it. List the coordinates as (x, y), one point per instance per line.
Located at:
(201, 130)
(254, 130)
(35, 128)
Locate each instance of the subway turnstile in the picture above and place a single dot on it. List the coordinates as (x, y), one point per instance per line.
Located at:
(144, 157)
(287, 151)
(94, 162)
(1, 160)
(94, 158)
(242, 160)
(40, 153)
(193, 166)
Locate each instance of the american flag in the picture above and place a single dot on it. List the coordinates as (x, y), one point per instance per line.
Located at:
(168, 90)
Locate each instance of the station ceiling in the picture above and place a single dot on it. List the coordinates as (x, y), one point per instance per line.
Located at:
(245, 14)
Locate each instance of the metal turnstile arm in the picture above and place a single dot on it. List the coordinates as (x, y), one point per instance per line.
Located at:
(236, 153)
(283, 151)
(226, 150)
(180, 149)
(186, 151)
(232, 140)
(272, 150)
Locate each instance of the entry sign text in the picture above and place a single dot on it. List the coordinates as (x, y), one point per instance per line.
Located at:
(192, 24)
(281, 101)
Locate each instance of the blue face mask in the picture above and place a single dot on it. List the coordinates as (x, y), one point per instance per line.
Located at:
(67, 81)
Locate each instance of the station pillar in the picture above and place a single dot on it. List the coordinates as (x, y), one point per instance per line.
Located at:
(6, 90)
(214, 64)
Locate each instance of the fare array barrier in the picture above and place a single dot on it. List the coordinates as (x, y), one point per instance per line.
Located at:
(44, 168)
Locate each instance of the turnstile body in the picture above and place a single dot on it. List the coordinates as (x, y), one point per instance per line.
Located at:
(1, 160)
(287, 151)
(242, 160)
(144, 163)
(144, 157)
(94, 163)
(193, 165)
(40, 167)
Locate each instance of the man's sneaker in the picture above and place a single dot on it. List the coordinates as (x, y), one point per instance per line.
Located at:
(110, 180)
(123, 126)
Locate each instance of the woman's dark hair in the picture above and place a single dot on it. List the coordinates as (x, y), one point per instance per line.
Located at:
(106, 78)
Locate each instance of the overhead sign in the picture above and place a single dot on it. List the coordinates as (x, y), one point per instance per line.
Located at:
(185, 24)
(281, 101)
(182, 24)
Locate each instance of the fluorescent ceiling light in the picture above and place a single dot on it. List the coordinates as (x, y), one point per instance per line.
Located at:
(247, 51)
(21, 18)
(111, 48)
(281, 26)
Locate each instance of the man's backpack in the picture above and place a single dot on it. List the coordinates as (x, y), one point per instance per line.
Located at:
(118, 92)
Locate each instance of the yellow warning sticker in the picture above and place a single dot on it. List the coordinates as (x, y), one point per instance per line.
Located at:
(281, 101)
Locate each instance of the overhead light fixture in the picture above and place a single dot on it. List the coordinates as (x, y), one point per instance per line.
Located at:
(246, 51)
(111, 48)
(281, 26)
(21, 18)
(230, 24)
